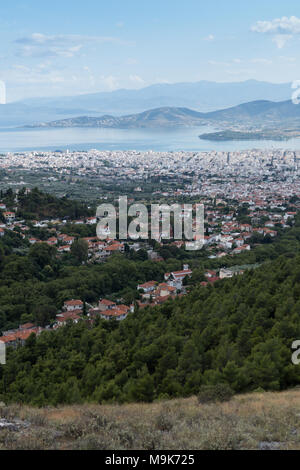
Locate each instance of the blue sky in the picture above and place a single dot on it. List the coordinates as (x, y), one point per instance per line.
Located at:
(54, 48)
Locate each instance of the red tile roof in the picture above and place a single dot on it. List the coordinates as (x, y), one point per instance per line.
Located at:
(73, 303)
(107, 302)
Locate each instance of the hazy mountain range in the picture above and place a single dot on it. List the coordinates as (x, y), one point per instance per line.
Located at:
(254, 115)
(202, 96)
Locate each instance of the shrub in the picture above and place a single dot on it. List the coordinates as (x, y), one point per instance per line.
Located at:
(215, 393)
(164, 422)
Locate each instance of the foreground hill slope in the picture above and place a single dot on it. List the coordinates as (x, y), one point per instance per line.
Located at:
(262, 421)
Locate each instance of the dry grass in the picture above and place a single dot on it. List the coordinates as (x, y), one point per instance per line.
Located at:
(253, 421)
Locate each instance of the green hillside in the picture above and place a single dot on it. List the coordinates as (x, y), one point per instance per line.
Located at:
(238, 331)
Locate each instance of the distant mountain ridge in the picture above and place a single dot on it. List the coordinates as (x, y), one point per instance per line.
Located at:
(204, 96)
(201, 96)
(257, 113)
(160, 117)
(262, 111)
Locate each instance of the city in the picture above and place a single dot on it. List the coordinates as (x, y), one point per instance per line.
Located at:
(149, 229)
(248, 197)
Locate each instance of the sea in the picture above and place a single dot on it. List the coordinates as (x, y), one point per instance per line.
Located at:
(75, 139)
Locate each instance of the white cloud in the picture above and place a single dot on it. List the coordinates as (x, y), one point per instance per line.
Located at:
(38, 39)
(216, 62)
(110, 82)
(30, 51)
(41, 45)
(279, 26)
(41, 74)
(210, 37)
(136, 79)
(253, 61)
(261, 61)
(281, 40)
(236, 64)
(282, 29)
(291, 60)
(163, 81)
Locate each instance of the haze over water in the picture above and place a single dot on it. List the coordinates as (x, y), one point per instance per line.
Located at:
(16, 140)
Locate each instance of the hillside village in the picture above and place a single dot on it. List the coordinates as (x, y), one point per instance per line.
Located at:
(231, 228)
(153, 293)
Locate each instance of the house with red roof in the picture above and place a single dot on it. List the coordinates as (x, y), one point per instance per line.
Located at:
(52, 241)
(91, 220)
(164, 290)
(64, 249)
(18, 337)
(115, 247)
(105, 305)
(147, 286)
(71, 305)
(63, 318)
(119, 313)
(179, 275)
(9, 216)
(241, 249)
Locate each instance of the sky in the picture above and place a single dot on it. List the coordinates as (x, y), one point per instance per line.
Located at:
(69, 47)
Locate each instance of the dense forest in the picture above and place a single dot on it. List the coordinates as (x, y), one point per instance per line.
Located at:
(34, 286)
(238, 331)
(34, 281)
(38, 205)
